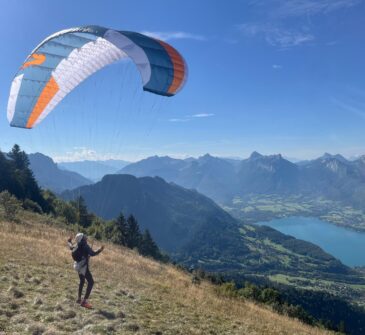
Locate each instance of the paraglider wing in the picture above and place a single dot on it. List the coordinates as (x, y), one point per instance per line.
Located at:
(65, 59)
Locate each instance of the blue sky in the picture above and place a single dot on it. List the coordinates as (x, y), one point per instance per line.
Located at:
(268, 75)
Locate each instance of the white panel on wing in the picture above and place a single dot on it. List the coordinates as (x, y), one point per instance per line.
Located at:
(79, 65)
(14, 92)
(134, 51)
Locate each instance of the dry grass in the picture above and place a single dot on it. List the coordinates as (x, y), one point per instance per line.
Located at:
(132, 294)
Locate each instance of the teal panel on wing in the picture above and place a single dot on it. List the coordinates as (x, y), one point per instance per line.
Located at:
(162, 70)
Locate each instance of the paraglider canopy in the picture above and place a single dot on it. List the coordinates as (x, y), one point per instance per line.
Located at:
(63, 60)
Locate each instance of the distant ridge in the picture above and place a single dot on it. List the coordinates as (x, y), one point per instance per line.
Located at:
(212, 176)
(50, 176)
(330, 176)
(94, 170)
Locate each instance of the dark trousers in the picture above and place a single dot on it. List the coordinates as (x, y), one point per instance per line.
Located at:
(90, 284)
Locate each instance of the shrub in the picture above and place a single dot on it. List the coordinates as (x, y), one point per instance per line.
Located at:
(69, 213)
(228, 289)
(249, 291)
(32, 206)
(269, 296)
(10, 205)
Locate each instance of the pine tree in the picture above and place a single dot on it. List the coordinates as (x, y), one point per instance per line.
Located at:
(19, 158)
(148, 247)
(5, 173)
(84, 217)
(133, 236)
(120, 230)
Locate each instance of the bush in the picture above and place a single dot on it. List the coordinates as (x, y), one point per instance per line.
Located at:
(228, 290)
(250, 291)
(67, 211)
(96, 230)
(32, 206)
(269, 296)
(10, 205)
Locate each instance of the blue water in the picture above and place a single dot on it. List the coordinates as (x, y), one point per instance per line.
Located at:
(346, 245)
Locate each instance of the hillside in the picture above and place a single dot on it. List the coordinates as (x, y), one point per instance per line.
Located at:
(196, 231)
(50, 176)
(173, 214)
(132, 294)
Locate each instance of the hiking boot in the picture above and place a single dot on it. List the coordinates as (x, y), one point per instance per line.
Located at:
(78, 301)
(86, 304)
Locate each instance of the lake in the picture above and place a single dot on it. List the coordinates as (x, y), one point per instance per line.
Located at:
(344, 244)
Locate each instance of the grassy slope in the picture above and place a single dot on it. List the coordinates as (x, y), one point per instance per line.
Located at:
(132, 294)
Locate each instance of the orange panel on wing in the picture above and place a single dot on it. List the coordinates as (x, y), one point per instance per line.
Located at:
(45, 97)
(179, 67)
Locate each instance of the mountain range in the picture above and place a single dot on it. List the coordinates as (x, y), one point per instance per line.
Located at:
(222, 179)
(330, 176)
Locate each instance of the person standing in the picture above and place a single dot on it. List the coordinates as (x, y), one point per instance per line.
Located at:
(81, 252)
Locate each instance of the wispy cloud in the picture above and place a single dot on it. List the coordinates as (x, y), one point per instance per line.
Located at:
(286, 23)
(331, 43)
(83, 153)
(354, 108)
(192, 117)
(277, 67)
(276, 35)
(295, 8)
(203, 115)
(179, 120)
(174, 35)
